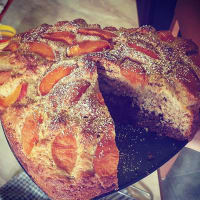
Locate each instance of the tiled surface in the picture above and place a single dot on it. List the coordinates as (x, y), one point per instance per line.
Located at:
(183, 180)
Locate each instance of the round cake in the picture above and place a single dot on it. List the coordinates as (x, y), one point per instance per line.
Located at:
(60, 85)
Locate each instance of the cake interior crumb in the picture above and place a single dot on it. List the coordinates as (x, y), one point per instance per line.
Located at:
(159, 112)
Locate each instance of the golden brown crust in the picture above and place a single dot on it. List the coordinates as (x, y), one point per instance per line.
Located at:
(44, 168)
(38, 135)
(52, 109)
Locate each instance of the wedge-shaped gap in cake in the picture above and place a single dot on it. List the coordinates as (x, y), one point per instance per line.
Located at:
(147, 101)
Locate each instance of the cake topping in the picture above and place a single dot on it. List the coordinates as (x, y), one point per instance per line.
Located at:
(143, 50)
(12, 98)
(42, 49)
(4, 76)
(64, 152)
(100, 98)
(97, 32)
(23, 91)
(53, 77)
(87, 46)
(13, 46)
(135, 76)
(106, 157)
(166, 36)
(78, 91)
(64, 36)
(34, 34)
(30, 132)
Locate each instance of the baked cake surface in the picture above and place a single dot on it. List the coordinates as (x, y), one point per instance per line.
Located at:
(51, 105)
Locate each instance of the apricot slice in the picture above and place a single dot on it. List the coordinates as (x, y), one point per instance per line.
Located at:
(106, 157)
(144, 30)
(64, 152)
(53, 77)
(143, 50)
(87, 46)
(166, 36)
(4, 76)
(97, 32)
(64, 36)
(12, 47)
(78, 91)
(12, 98)
(42, 49)
(30, 132)
(23, 91)
(100, 98)
(136, 77)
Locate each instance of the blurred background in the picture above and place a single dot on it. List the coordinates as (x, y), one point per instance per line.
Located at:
(24, 14)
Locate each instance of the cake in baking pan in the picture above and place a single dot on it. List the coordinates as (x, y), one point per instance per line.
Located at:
(58, 87)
